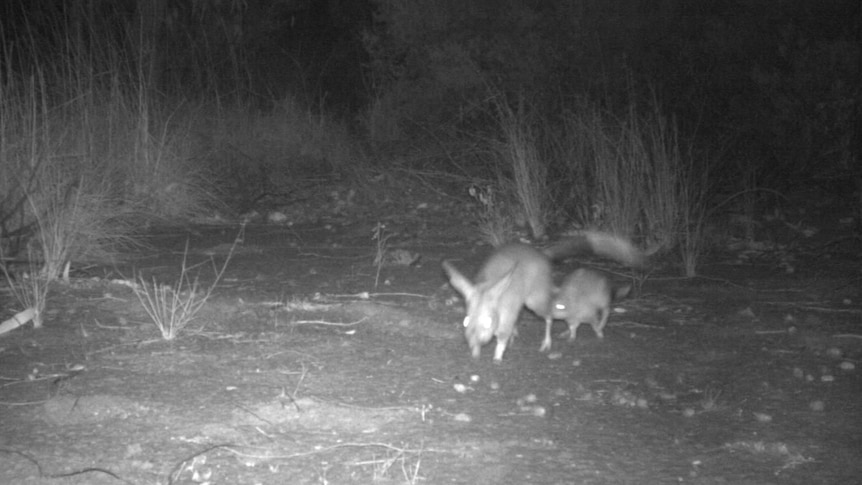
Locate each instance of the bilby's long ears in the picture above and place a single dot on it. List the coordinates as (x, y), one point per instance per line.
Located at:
(459, 281)
(495, 291)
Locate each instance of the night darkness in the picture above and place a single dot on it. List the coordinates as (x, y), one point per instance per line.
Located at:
(232, 237)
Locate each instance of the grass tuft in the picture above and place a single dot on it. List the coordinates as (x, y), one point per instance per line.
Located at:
(173, 308)
(520, 151)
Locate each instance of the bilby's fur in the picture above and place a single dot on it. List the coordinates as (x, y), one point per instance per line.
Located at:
(585, 297)
(602, 244)
(516, 275)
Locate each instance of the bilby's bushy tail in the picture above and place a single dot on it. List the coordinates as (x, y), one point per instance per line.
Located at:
(599, 243)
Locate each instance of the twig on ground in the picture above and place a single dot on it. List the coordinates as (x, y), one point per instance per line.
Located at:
(332, 324)
(803, 306)
(382, 237)
(364, 295)
(326, 449)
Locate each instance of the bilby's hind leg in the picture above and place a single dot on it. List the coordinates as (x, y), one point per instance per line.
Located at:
(546, 342)
(599, 324)
(573, 329)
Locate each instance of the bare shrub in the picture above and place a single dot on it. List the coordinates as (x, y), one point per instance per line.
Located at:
(76, 220)
(262, 152)
(604, 192)
(520, 150)
(693, 192)
(64, 203)
(30, 289)
(496, 222)
(173, 308)
(626, 173)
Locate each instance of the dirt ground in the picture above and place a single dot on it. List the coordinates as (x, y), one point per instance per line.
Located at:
(299, 369)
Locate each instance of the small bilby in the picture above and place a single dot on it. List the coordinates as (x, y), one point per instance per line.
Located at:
(516, 275)
(585, 297)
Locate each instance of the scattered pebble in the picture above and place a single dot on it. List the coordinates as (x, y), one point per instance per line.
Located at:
(847, 365)
(576, 362)
(763, 417)
(474, 378)
(495, 386)
(555, 355)
(527, 404)
(462, 418)
(816, 406)
(621, 397)
(276, 217)
(688, 412)
(798, 373)
(827, 378)
(747, 313)
(460, 388)
(834, 352)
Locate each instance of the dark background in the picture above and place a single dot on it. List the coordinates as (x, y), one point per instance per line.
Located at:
(773, 87)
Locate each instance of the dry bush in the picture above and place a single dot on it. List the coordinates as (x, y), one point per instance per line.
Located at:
(271, 152)
(173, 307)
(30, 290)
(520, 150)
(497, 225)
(630, 176)
(63, 203)
(77, 221)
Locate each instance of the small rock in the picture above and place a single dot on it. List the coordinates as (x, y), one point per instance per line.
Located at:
(763, 417)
